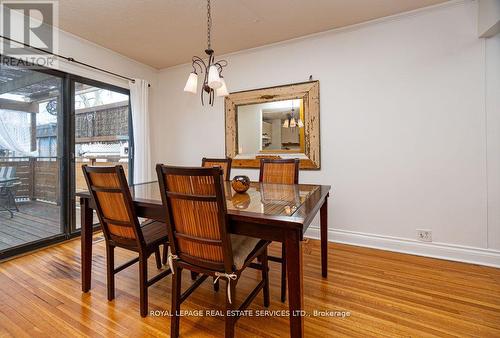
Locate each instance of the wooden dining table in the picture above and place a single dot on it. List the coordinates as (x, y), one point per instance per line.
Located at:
(275, 212)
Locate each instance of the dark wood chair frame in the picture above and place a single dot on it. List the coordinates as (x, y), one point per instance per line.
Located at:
(208, 268)
(281, 259)
(228, 160)
(227, 177)
(138, 244)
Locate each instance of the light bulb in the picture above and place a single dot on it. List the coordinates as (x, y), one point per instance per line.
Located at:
(285, 124)
(293, 123)
(222, 91)
(300, 123)
(191, 83)
(214, 81)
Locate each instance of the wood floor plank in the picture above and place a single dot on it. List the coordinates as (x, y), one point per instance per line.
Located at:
(386, 295)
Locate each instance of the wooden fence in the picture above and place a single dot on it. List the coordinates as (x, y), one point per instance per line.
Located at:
(108, 161)
(39, 176)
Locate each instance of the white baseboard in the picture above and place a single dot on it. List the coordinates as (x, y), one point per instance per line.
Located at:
(458, 253)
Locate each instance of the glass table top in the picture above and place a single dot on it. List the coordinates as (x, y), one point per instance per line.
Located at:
(262, 198)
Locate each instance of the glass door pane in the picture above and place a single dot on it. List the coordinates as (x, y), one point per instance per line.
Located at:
(30, 157)
(101, 123)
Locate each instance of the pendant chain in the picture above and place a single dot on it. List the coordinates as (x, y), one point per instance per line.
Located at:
(209, 24)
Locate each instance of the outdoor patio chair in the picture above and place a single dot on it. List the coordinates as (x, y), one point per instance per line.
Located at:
(8, 187)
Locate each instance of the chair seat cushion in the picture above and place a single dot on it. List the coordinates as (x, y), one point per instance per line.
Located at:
(154, 232)
(242, 247)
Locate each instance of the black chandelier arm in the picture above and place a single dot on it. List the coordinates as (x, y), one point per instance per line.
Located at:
(197, 61)
(220, 64)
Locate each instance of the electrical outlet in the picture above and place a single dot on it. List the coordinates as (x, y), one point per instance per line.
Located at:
(424, 235)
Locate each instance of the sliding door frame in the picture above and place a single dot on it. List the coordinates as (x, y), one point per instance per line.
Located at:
(71, 141)
(66, 153)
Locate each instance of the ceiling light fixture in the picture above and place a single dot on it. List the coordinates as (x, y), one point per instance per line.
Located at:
(291, 122)
(213, 82)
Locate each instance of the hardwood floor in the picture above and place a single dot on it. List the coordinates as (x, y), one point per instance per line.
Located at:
(387, 295)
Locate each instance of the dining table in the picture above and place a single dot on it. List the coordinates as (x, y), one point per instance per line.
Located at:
(274, 212)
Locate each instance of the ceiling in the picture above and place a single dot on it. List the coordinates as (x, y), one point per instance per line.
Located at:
(163, 33)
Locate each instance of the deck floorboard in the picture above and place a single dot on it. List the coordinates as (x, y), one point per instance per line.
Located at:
(35, 220)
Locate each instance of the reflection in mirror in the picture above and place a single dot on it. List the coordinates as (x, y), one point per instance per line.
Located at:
(271, 127)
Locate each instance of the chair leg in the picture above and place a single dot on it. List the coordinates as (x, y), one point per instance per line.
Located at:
(265, 277)
(13, 201)
(230, 320)
(283, 273)
(194, 275)
(110, 256)
(176, 302)
(143, 279)
(216, 285)
(165, 254)
(158, 258)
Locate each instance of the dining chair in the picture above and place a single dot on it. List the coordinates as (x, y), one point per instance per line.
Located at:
(280, 171)
(121, 227)
(199, 240)
(224, 163)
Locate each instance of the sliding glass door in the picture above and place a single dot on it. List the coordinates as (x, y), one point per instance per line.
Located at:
(51, 123)
(101, 119)
(32, 199)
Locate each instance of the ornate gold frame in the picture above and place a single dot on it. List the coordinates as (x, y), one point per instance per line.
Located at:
(308, 91)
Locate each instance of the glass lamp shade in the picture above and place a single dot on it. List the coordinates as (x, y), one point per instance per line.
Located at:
(293, 123)
(192, 83)
(222, 91)
(300, 123)
(214, 81)
(285, 124)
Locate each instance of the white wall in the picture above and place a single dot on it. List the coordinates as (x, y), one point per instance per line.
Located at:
(493, 140)
(403, 127)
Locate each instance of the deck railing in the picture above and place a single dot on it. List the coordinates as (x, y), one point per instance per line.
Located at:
(39, 176)
(96, 161)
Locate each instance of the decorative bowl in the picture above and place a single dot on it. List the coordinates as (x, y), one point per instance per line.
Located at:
(240, 183)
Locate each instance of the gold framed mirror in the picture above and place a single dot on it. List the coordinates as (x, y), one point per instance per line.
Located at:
(274, 122)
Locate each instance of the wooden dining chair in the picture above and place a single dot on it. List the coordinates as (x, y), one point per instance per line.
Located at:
(224, 163)
(280, 171)
(120, 224)
(199, 239)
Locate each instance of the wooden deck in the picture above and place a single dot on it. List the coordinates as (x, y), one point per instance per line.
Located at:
(34, 221)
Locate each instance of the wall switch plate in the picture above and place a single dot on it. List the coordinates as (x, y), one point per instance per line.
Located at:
(424, 235)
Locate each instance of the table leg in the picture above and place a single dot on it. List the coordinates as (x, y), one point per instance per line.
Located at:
(293, 247)
(86, 216)
(324, 237)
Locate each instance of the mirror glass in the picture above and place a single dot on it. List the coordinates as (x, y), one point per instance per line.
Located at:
(271, 127)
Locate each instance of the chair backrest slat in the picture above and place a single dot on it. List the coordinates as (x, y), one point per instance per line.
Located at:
(224, 163)
(196, 209)
(114, 205)
(279, 171)
(7, 172)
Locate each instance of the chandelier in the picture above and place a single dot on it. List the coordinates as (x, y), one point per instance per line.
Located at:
(213, 82)
(291, 121)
